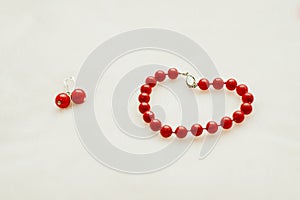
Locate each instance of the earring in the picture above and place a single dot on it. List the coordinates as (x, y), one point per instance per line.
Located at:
(63, 100)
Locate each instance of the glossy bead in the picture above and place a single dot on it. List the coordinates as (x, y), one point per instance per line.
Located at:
(247, 98)
(150, 80)
(196, 129)
(238, 116)
(160, 75)
(144, 97)
(155, 125)
(241, 89)
(148, 116)
(246, 108)
(172, 73)
(231, 84)
(166, 131)
(143, 107)
(146, 89)
(218, 83)
(78, 96)
(62, 100)
(203, 84)
(212, 127)
(181, 131)
(226, 122)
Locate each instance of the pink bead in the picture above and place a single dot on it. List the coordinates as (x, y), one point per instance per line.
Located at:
(181, 131)
(150, 80)
(196, 129)
(160, 75)
(218, 83)
(155, 125)
(173, 73)
(78, 96)
(211, 127)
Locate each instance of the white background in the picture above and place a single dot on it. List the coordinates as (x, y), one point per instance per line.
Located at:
(43, 42)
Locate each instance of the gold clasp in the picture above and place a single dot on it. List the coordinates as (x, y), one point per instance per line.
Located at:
(189, 80)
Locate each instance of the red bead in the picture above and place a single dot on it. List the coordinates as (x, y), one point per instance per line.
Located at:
(143, 107)
(160, 75)
(196, 129)
(148, 116)
(150, 80)
(231, 84)
(62, 100)
(203, 84)
(246, 108)
(212, 127)
(155, 125)
(218, 83)
(181, 131)
(226, 122)
(146, 89)
(166, 131)
(144, 97)
(241, 89)
(173, 73)
(238, 116)
(78, 96)
(247, 98)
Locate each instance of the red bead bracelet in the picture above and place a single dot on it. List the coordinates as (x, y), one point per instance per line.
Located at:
(196, 129)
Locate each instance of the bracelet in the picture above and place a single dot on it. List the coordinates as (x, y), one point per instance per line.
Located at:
(196, 129)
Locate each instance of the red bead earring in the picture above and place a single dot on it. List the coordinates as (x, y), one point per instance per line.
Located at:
(63, 100)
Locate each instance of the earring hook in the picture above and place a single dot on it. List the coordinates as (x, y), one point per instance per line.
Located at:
(69, 84)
